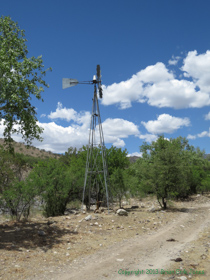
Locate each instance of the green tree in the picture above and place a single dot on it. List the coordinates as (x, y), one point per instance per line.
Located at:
(20, 79)
(119, 187)
(16, 194)
(166, 168)
(53, 184)
(116, 158)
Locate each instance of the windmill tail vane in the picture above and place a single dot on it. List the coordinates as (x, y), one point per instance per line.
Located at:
(66, 82)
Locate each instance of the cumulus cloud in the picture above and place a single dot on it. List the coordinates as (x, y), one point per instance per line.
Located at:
(191, 137)
(207, 116)
(125, 92)
(199, 135)
(174, 60)
(165, 124)
(204, 134)
(63, 113)
(148, 137)
(135, 154)
(115, 129)
(159, 87)
(198, 67)
(58, 138)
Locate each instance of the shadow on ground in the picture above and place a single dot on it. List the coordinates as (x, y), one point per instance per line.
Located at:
(31, 235)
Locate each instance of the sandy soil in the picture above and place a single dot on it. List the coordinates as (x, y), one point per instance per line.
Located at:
(109, 246)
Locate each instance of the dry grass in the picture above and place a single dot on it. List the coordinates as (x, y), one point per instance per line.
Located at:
(31, 150)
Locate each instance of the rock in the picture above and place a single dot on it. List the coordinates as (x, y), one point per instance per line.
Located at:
(194, 265)
(177, 260)
(203, 256)
(134, 207)
(152, 209)
(88, 218)
(120, 260)
(183, 278)
(41, 233)
(122, 212)
(98, 211)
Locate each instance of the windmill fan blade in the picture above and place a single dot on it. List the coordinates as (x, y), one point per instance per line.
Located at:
(66, 83)
(100, 92)
(98, 71)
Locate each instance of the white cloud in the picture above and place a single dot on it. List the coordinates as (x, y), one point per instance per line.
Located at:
(165, 124)
(174, 60)
(135, 154)
(126, 92)
(192, 137)
(175, 94)
(207, 116)
(63, 113)
(159, 87)
(200, 135)
(198, 67)
(204, 134)
(155, 73)
(123, 93)
(58, 138)
(148, 137)
(115, 129)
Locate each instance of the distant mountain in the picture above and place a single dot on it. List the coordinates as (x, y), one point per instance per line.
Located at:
(21, 148)
(133, 159)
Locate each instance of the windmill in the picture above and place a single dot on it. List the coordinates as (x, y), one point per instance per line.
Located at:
(96, 173)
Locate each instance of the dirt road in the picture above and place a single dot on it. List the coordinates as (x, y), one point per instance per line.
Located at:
(109, 246)
(147, 255)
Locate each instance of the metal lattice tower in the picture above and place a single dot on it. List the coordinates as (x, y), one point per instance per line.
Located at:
(96, 173)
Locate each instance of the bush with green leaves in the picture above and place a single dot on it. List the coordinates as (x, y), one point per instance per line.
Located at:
(172, 168)
(16, 194)
(18, 199)
(119, 186)
(50, 179)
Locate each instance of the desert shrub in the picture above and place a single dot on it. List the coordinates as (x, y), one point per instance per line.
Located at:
(53, 184)
(18, 198)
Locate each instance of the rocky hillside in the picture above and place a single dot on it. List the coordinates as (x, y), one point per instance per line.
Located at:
(31, 151)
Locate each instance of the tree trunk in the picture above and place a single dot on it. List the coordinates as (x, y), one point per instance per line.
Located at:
(164, 203)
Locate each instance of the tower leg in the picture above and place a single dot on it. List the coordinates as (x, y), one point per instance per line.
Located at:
(94, 169)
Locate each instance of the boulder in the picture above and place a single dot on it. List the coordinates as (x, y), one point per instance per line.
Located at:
(152, 209)
(122, 212)
(88, 218)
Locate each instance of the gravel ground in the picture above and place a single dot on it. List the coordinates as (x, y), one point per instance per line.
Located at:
(69, 247)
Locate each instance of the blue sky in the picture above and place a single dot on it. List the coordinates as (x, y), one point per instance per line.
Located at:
(155, 66)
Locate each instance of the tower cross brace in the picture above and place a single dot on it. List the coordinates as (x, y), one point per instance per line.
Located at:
(96, 165)
(96, 172)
